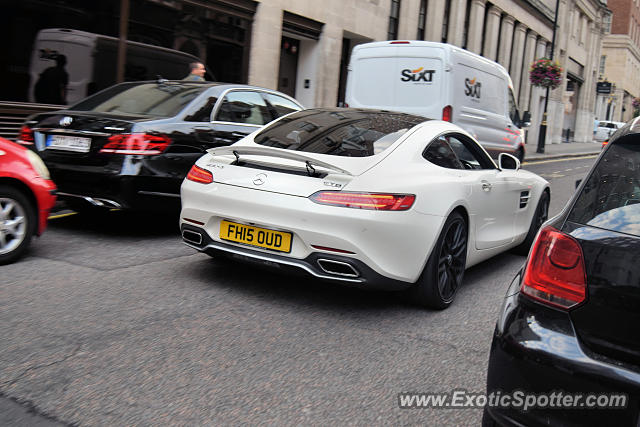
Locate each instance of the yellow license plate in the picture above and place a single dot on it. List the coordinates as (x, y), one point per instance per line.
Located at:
(255, 236)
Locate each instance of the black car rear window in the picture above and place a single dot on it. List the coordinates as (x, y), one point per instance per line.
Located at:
(349, 133)
(149, 99)
(610, 198)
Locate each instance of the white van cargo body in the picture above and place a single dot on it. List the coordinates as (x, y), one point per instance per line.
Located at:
(439, 81)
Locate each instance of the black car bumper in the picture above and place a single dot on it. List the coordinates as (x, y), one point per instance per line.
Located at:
(345, 270)
(115, 190)
(535, 349)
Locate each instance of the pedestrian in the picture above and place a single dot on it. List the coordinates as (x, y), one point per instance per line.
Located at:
(51, 87)
(197, 72)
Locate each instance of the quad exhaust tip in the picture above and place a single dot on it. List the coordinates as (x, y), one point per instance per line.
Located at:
(192, 237)
(338, 268)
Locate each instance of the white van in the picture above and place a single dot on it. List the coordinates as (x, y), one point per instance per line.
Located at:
(92, 59)
(439, 81)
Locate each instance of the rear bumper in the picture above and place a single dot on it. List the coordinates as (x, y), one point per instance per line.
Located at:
(395, 245)
(536, 350)
(342, 269)
(111, 190)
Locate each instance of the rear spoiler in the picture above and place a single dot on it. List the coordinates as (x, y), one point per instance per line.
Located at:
(274, 152)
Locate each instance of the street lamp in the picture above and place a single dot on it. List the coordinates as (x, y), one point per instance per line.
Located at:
(542, 135)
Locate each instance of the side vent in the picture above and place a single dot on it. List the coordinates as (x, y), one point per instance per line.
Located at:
(524, 199)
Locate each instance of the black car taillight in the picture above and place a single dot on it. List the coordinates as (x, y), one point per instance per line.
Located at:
(26, 136)
(136, 143)
(555, 273)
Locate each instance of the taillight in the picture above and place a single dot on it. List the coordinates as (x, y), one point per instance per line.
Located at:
(447, 113)
(400, 42)
(371, 201)
(555, 272)
(136, 143)
(200, 175)
(26, 136)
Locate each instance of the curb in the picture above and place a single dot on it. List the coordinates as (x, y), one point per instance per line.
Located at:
(561, 156)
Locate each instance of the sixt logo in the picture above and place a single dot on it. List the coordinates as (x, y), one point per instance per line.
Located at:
(419, 75)
(472, 88)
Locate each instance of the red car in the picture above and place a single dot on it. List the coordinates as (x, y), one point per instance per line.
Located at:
(27, 194)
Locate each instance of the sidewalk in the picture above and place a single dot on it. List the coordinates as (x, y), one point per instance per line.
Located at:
(558, 151)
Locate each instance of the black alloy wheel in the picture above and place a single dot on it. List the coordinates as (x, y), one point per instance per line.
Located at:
(443, 274)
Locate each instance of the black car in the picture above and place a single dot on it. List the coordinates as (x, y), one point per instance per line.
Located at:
(131, 145)
(569, 323)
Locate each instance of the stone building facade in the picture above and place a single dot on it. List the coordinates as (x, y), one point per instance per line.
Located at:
(513, 33)
(620, 61)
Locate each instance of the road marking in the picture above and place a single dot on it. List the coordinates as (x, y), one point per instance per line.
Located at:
(536, 162)
(62, 215)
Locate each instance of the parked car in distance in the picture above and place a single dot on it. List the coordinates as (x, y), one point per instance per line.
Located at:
(439, 81)
(131, 145)
(569, 319)
(369, 198)
(605, 129)
(27, 194)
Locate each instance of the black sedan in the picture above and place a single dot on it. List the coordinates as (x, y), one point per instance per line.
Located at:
(131, 145)
(566, 349)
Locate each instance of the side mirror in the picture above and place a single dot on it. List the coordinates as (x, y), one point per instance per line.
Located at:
(526, 119)
(507, 161)
(578, 181)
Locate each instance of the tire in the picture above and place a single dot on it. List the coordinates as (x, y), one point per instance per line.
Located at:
(442, 276)
(17, 223)
(539, 217)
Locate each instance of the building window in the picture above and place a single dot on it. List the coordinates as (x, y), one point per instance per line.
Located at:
(422, 17)
(607, 23)
(603, 60)
(445, 21)
(392, 34)
(465, 29)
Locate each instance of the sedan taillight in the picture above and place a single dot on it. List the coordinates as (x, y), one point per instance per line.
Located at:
(136, 143)
(555, 273)
(26, 136)
(200, 175)
(371, 201)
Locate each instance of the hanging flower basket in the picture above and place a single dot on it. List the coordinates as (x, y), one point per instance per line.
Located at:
(544, 73)
(636, 103)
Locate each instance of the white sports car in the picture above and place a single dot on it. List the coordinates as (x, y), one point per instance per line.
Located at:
(365, 197)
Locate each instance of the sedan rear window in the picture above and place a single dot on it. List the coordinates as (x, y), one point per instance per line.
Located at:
(348, 133)
(611, 196)
(164, 99)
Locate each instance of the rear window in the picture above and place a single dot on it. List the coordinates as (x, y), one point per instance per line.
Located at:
(148, 99)
(349, 133)
(611, 196)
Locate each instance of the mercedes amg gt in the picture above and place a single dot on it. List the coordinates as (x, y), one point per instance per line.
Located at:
(371, 198)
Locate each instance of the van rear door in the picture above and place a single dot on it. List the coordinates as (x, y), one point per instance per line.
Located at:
(398, 77)
(480, 98)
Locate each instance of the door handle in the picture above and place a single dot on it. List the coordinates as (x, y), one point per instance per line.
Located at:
(486, 186)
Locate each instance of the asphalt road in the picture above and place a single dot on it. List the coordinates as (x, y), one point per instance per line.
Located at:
(112, 321)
